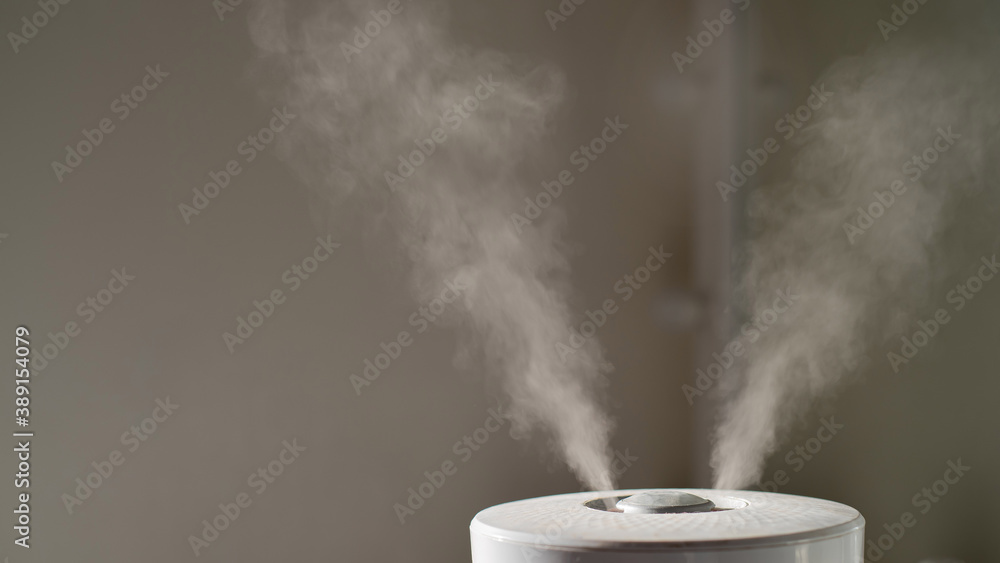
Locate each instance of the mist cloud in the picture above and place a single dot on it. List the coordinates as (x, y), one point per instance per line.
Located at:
(425, 137)
(862, 278)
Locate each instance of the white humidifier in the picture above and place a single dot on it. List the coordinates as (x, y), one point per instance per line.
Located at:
(669, 526)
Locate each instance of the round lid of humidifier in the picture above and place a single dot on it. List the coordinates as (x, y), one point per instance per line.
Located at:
(666, 520)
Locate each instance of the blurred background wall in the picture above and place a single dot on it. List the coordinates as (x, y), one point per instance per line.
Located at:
(161, 337)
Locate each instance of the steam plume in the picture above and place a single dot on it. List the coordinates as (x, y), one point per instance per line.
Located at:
(360, 110)
(887, 108)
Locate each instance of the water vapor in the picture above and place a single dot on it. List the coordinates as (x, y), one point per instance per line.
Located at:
(860, 281)
(428, 138)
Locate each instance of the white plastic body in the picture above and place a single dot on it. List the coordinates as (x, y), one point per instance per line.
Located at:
(759, 528)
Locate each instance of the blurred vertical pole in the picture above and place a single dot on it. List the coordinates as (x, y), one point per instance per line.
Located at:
(720, 138)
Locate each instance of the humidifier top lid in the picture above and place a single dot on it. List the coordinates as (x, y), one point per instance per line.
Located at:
(662, 519)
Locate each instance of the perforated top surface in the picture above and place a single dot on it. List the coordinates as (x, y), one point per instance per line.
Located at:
(763, 518)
